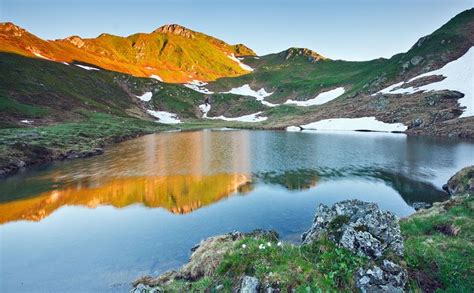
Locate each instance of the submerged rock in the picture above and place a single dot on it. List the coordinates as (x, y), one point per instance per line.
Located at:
(249, 285)
(358, 226)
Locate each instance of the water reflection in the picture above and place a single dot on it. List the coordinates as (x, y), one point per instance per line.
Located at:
(178, 194)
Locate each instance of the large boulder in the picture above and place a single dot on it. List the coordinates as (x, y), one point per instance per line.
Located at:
(358, 226)
(462, 182)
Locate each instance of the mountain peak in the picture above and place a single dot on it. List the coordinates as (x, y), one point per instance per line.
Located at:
(11, 28)
(304, 52)
(175, 29)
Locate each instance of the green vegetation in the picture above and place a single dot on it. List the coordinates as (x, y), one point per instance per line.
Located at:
(439, 247)
(47, 142)
(321, 266)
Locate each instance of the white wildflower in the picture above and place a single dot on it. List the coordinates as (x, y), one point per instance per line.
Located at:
(279, 243)
(269, 244)
(244, 246)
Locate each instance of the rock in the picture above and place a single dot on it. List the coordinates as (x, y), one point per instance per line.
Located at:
(249, 285)
(358, 226)
(389, 277)
(462, 182)
(219, 287)
(416, 122)
(416, 60)
(421, 205)
(140, 288)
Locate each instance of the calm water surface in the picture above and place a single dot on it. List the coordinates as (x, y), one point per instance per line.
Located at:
(96, 224)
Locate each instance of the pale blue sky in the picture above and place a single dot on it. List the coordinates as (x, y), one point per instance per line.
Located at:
(339, 29)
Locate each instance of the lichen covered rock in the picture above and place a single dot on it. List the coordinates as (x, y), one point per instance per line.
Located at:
(358, 226)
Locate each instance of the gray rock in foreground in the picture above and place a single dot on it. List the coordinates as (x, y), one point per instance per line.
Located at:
(358, 226)
(249, 285)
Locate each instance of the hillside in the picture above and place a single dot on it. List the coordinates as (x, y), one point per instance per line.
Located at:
(171, 53)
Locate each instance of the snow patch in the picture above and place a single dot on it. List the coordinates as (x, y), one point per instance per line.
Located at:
(87, 67)
(242, 65)
(459, 77)
(41, 56)
(26, 121)
(245, 90)
(65, 63)
(246, 118)
(146, 97)
(205, 108)
(165, 117)
(198, 86)
(320, 99)
(352, 124)
(293, 128)
(154, 76)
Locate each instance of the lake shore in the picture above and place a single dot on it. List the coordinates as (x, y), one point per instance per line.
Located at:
(436, 252)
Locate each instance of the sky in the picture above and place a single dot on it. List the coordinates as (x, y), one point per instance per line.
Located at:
(338, 29)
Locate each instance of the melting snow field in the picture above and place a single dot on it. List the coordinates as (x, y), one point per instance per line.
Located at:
(459, 77)
(154, 76)
(245, 90)
(146, 97)
(205, 108)
(246, 118)
(198, 86)
(165, 117)
(41, 56)
(352, 124)
(242, 65)
(320, 99)
(87, 67)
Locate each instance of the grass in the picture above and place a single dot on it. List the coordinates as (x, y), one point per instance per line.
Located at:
(319, 266)
(437, 256)
(95, 130)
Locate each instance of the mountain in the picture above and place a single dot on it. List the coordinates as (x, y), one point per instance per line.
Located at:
(172, 53)
(50, 109)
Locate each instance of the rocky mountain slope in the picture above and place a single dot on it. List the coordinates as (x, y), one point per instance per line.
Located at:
(172, 53)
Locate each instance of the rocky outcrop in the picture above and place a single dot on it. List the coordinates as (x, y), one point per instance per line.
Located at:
(389, 277)
(358, 226)
(367, 231)
(462, 182)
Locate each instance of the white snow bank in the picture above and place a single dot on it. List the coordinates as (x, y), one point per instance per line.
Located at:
(146, 97)
(165, 117)
(65, 63)
(246, 118)
(459, 77)
(198, 86)
(320, 99)
(352, 124)
(245, 90)
(242, 65)
(42, 57)
(26, 121)
(154, 76)
(87, 67)
(205, 108)
(293, 128)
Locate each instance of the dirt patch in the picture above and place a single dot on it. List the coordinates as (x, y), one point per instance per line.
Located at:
(426, 283)
(448, 229)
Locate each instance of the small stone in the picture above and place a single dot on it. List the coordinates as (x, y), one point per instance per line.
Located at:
(249, 285)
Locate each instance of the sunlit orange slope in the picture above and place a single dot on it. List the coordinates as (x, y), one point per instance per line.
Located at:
(171, 52)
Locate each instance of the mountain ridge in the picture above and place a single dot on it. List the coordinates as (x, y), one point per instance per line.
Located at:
(172, 52)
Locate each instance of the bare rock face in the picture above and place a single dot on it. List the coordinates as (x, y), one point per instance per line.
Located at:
(175, 29)
(462, 182)
(358, 226)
